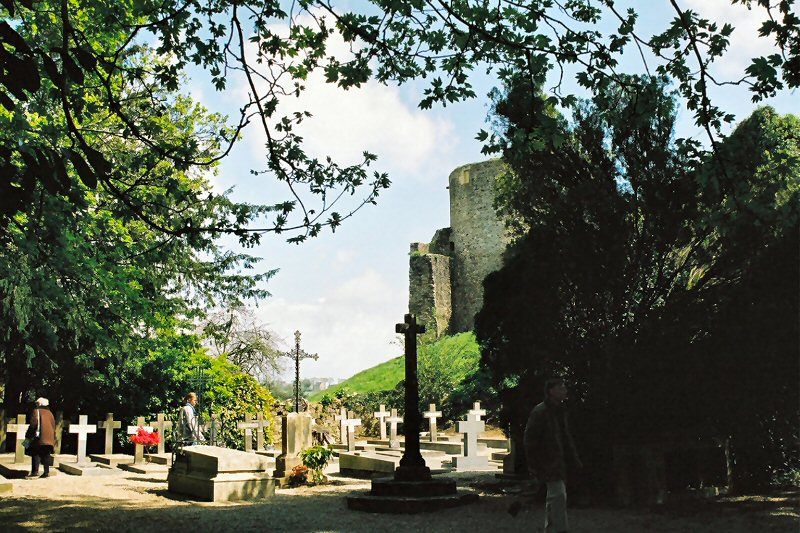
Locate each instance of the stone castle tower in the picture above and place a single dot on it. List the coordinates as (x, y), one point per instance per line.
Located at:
(446, 274)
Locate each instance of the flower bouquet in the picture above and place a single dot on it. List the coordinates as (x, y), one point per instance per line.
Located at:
(145, 438)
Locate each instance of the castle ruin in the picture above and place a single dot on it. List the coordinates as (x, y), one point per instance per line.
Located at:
(446, 274)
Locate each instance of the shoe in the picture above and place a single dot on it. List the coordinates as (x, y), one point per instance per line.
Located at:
(44, 475)
(31, 476)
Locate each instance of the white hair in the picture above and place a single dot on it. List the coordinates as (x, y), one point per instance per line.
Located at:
(42, 402)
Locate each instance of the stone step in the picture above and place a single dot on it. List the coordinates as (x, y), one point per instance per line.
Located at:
(418, 489)
(501, 444)
(409, 505)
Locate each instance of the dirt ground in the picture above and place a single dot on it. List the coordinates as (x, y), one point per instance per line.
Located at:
(136, 502)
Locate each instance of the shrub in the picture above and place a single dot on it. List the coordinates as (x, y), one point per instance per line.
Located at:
(316, 458)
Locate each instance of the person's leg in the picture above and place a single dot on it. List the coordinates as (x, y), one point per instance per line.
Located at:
(46, 461)
(555, 520)
(34, 464)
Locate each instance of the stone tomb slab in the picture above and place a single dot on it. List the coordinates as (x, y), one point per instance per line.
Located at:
(85, 469)
(20, 470)
(159, 458)
(143, 468)
(216, 474)
(111, 459)
(366, 465)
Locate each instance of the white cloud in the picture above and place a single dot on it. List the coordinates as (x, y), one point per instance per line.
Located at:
(745, 42)
(351, 327)
(373, 117)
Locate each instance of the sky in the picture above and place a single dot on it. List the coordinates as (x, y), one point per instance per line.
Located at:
(345, 291)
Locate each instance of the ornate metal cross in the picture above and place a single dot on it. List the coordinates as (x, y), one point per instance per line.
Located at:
(298, 354)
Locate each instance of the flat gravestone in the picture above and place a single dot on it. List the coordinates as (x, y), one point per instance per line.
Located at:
(432, 415)
(382, 414)
(216, 474)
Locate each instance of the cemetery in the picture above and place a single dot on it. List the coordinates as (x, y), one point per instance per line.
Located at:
(218, 312)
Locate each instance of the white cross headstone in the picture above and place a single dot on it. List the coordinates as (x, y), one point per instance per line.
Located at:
(82, 428)
(138, 449)
(432, 415)
(248, 425)
(381, 415)
(20, 427)
(351, 424)
(470, 429)
(161, 425)
(109, 424)
(341, 417)
(393, 420)
(263, 424)
(477, 411)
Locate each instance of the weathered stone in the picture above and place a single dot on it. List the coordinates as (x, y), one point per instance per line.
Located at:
(381, 414)
(471, 460)
(367, 464)
(341, 417)
(83, 429)
(161, 425)
(111, 459)
(109, 425)
(263, 424)
(217, 474)
(138, 449)
(248, 425)
(18, 427)
(393, 420)
(296, 429)
(351, 424)
(432, 414)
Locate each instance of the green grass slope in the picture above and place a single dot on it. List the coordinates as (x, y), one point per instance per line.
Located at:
(384, 376)
(459, 354)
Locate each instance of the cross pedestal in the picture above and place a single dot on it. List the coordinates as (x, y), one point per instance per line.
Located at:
(381, 414)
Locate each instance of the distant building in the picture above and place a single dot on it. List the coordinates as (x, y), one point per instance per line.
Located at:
(322, 383)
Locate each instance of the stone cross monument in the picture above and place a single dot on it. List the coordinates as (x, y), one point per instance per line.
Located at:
(432, 415)
(263, 424)
(381, 415)
(470, 429)
(298, 355)
(412, 465)
(248, 425)
(341, 417)
(109, 425)
(20, 427)
(138, 449)
(82, 428)
(351, 424)
(161, 425)
(393, 420)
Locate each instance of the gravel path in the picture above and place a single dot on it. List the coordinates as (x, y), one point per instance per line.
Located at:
(136, 502)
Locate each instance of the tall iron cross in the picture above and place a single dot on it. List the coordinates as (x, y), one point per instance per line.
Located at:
(298, 355)
(198, 380)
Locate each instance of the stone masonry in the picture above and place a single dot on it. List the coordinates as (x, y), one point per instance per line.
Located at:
(446, 275)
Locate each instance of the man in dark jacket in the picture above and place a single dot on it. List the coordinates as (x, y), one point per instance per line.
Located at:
(42, 436)
(548, 448)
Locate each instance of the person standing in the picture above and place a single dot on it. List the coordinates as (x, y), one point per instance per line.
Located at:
(548, 448)
(42, 436)
(190, 423)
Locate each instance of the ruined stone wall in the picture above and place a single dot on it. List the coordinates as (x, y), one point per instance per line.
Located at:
(446, 275)
(478, 238)
(429, 295)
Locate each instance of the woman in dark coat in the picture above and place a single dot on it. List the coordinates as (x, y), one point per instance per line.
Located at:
(42, 435)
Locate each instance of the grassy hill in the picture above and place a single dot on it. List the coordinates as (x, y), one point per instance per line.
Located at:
(384, 376)
(459, 353)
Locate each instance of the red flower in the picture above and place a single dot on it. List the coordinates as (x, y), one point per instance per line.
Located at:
(145, 438)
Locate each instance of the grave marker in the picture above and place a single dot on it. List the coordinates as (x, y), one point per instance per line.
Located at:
(381, 414)
(82, 428)
(138, 449)
(20, 427)
(341, 417)
(298, 355)
(477, 411)
(351, 424)
(109, 424)
(470, 429)
(393, 420)
(263, 424)
(432, 415)
(161, 425)
(248, 426)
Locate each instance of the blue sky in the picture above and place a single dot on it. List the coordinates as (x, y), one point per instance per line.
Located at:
(345, 291)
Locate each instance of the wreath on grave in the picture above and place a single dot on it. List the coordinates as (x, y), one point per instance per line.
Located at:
(145, 438)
